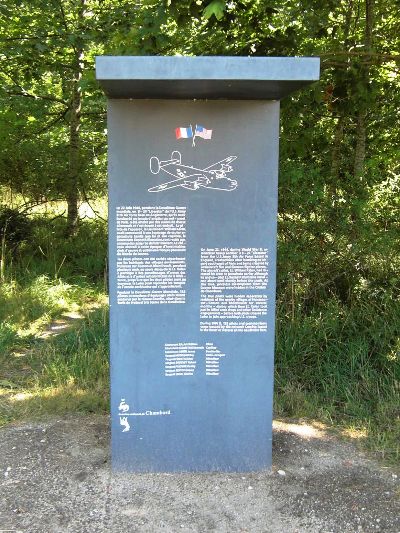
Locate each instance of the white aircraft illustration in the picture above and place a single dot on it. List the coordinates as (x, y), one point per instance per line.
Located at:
(192, 178)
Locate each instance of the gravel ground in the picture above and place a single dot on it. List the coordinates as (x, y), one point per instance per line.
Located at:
(55, 477)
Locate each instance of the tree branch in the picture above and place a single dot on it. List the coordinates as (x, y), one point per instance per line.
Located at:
(389, 57)
(51, 123)
(37, 96)
(63, 16)
(31, 37)
(23, 92)
(87, 201)
(95, 113)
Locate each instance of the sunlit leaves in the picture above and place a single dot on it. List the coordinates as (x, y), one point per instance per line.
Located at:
(215, 8)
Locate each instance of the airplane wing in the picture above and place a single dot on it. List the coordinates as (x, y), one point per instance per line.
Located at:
(180, 171)
(180, 182)
(226, 161)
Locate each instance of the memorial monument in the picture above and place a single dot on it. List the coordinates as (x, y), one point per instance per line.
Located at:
(193, 184)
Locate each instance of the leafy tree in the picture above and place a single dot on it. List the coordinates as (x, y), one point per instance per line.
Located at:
(53, 110)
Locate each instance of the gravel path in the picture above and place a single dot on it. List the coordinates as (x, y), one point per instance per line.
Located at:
(55, 478)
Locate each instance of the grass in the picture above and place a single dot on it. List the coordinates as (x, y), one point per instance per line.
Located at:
(337, 361)
(66, 373)
(49, 280)
(340, 364)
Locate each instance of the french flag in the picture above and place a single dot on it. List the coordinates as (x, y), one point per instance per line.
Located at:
(184, 133)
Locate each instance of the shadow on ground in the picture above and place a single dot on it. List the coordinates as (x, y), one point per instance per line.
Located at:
(55, 477)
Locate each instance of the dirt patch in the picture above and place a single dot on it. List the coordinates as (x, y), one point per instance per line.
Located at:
(55, 477)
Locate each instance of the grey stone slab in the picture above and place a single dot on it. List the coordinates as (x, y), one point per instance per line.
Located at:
(243, 78)
(218, 415)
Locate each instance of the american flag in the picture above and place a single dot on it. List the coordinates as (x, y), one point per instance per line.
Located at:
(201, 131)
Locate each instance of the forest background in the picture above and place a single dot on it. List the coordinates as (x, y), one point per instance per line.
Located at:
(338, 314)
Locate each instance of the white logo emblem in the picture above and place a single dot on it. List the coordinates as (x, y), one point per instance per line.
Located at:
(123, 406)
(123, 420)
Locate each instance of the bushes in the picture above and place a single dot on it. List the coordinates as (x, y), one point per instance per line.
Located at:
(338, 307)
(49, 253)
(54, 281)
(15, 227)
(340, 363)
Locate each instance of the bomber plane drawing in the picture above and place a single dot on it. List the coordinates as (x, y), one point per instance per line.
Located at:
(192, 178)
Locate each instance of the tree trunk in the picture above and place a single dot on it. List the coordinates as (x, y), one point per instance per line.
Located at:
(361, 131)
(361, 136)
(72, 190)
(74, 146)
(336, 158)
(336, 151)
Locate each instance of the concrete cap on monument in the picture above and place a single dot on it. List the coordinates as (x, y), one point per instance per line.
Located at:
(242, 78)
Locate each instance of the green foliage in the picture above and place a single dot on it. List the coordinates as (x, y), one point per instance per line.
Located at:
(15, 227)
(340, 364)
(48, 54)
(338, 305)
(215, 8)
(50, 288)
(82, 257)
(79, 357)
(66, 373)
(52, 274)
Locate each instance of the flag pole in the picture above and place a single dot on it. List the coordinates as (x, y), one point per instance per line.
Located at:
(194, 135)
